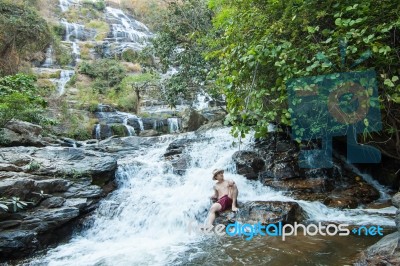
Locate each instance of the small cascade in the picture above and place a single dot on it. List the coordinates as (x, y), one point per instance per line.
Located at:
(131, 130)
(174, 124)
(98, 131)
(65, 4)
(74, 33)
(202, 101)
(126, 31)
(140, 121)
(65, 76)
(48, 62)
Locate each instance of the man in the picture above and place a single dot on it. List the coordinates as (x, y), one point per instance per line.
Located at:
(226, 192)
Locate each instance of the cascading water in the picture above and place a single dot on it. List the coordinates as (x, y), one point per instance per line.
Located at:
(173, 124)
(144, 222)
(65, 76)
(48, 62)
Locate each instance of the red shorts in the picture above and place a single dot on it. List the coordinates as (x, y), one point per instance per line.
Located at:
(226, 203)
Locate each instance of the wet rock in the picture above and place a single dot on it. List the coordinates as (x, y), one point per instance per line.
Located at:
(16, 187)
(49, 186)
(385, 252)
(301, 184)
(360, 193)
(396, 200)
(44, 220)
(282, 170)
(192, 120)
(266, 212)
(17, 243)
(24, 128)
(149, 133)
(11, 138)
(397, 220)
(53, 202)
(248, 163)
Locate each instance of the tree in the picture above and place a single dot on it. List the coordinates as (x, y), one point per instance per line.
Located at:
(264, 44)
(23, 32)
(180, 43)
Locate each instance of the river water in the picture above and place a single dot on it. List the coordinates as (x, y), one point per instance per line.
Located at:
(144, 222)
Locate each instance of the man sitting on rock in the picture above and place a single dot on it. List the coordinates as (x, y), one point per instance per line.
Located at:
(226, 192)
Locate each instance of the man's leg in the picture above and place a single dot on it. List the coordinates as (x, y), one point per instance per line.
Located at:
(214, 208)
(233, 194)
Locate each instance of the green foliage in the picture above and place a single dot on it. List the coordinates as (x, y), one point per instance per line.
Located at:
(102, 28)
(15, 203)
(263, 44)
(180, 42)
(23, 32)
(99, 5)
(20, 99)
(106, 73)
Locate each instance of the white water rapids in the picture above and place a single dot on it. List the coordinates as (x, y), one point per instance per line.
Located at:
(144, 221)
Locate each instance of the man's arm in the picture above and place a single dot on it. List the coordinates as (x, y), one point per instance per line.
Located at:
(214, 197)
(231, 183)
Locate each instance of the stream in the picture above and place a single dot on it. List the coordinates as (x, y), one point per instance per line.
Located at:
(144, 221)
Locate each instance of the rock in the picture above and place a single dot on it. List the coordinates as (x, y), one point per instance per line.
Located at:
(50, 186)
(9, 224)
(397, 220)
(248, 163)
(79, 203)
(282, 170)
(360, 193)
(396, 200)
(11, 138)
(44, 220)
(208, 126)
(101, 131)
(301, 184)
(266, 212)
(16, 187)
(53, 202)
(17, 243)
(192, 120)
(385, 252)
(24, 128)
(149, 133)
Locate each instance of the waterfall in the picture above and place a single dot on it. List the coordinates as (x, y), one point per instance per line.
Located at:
(130, 129)
(65, 76)
(98, 131)
(140, 121)
(173, 124)
(48, 62)
(144, 221)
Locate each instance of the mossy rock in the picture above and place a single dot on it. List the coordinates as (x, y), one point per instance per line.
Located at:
(119, 130)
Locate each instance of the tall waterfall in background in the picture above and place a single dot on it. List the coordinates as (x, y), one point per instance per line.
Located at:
(144, 221)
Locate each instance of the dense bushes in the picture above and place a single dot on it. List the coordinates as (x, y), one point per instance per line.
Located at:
(107, 73)
(20, 99)
(23, 32)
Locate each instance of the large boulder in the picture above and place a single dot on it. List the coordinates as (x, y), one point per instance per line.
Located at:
(385, 252)
(19, 133)
(248, 163)
(265, 212)
(192, 120)
(59, 186)
(396, 200)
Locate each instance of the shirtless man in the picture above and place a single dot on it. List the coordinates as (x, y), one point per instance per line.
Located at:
(226, 192)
